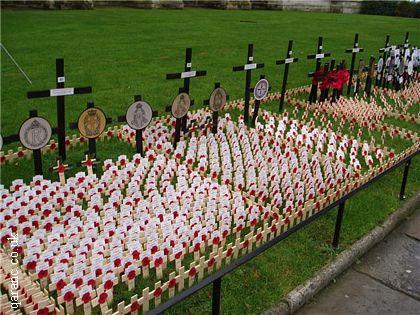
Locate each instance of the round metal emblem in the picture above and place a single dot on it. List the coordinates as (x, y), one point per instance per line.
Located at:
(410, 67)
(380, 64)
(91, 123)
(261, 89)
(35, 133)
(217, 99)
(181, 105)
(139, 115)
(401, 68)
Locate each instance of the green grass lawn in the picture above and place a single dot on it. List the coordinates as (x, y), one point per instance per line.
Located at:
(123, 52)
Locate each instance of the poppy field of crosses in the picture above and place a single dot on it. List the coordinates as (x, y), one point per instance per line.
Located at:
(154, 224)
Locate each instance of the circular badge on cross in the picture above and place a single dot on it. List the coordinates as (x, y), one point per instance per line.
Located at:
(35, 133)
(401, 68)
(217, 99)
(91, 123)
(139, 115)
(410, 67)
(261, 89)
(380, 64)
(180, 105)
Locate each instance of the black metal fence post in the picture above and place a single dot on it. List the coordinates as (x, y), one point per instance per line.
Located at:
(338, 225)
(404, 180)
(217, 284)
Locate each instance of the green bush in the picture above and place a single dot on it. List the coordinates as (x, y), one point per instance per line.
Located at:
(393, 8)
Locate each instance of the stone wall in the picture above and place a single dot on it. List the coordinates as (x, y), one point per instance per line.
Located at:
(343, 6)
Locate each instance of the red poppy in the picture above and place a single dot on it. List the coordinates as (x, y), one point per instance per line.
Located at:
(86, 297)
(318, 76)
(68, 296)
(134, 306)
(102, 298)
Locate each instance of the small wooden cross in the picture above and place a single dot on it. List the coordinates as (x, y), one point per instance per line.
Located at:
(61, 169)
(88, 162)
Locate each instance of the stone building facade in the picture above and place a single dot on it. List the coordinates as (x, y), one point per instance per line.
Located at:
(343, 6)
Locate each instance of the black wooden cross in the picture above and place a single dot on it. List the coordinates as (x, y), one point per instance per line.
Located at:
(368, 84)
(91, 142)
(354, 51)
(324, 93)
(139, 133)
(390, 70)
(286, 62)
(215, 116)
(385, 50)
(406, 44)
(257, 105)
(60, 92)
(248, 67)
(318, 57)
(359, 76)
(186, 76)
(178, 121)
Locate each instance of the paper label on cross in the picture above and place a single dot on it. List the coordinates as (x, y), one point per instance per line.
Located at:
(355, 50)
(250, 66)
(319, 56)
(61, 79)
(62, 92)
(188, 74)
(289, 60)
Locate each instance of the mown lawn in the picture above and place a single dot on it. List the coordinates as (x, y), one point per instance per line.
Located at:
(123, 52)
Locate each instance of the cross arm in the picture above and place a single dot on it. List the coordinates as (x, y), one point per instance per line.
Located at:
(286, 61)
(319, 56)
(249, 66)
(60, 92)
(354, 50)
(186, 74)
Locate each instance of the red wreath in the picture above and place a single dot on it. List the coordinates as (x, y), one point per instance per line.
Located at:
(335, 79)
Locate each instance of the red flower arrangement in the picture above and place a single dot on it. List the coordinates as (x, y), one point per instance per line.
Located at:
(335, 79)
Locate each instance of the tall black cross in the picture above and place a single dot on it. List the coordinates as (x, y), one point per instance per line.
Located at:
(354, 51)
(359, 76)
(406, 44)
(318, 57)
(91, 141)
(248, 67)
(178, 121)
(256, 106)
(289, 59)
(215, 116)
(385, 50)
(186, 76)
(60, 92)
(139, 132)
(324, 93)
(368, 84)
